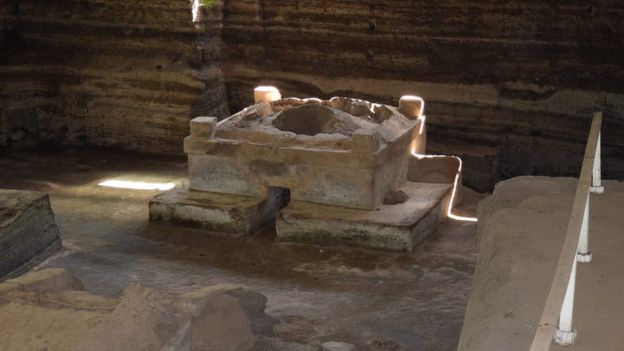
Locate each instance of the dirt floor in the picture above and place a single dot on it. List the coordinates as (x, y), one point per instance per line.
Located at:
(376, 300)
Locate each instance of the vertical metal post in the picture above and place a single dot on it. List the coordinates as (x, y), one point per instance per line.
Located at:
(565, 335)
(582, 254)
(596, 186)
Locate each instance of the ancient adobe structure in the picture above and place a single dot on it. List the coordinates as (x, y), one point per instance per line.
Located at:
(341, 163)
(341, 152)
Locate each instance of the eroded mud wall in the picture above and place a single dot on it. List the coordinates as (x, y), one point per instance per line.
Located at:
(510, 85)
(118, 73)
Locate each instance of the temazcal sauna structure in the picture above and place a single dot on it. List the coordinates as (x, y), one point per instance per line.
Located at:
(340, 171)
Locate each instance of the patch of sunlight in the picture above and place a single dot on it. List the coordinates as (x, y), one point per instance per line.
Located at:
(126, 184)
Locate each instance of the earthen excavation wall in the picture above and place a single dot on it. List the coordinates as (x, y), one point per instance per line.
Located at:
(510, 86)
(129, 74)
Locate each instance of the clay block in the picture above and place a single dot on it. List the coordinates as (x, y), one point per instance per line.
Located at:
(28, 234)
(203, 127)
(397, 227)
(411, 106)
(216, 212)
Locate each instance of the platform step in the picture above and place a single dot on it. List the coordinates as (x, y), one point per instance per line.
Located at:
(224, 213)
(398, 227)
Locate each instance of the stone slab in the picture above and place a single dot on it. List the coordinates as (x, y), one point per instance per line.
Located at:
(28, 234)
(216, 212)
(398, 227)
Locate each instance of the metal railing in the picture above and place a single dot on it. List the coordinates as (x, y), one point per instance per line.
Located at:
(556, 321)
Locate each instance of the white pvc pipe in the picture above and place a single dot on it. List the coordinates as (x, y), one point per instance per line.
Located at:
(565, 335)
(582, 254)
(596, 181)
(596, 186)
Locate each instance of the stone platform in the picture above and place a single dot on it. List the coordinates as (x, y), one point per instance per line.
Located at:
(216, 212)
(340, 152)
(398, 227)
(28, 234)
(341, 171)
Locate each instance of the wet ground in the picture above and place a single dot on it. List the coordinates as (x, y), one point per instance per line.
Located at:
(376, 300)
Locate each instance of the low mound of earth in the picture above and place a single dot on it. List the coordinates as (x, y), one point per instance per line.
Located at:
(521, 231)
(48, 310)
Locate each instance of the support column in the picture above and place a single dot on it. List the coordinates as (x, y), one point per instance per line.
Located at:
(596, 186)
(565, 335)
(582, 254)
